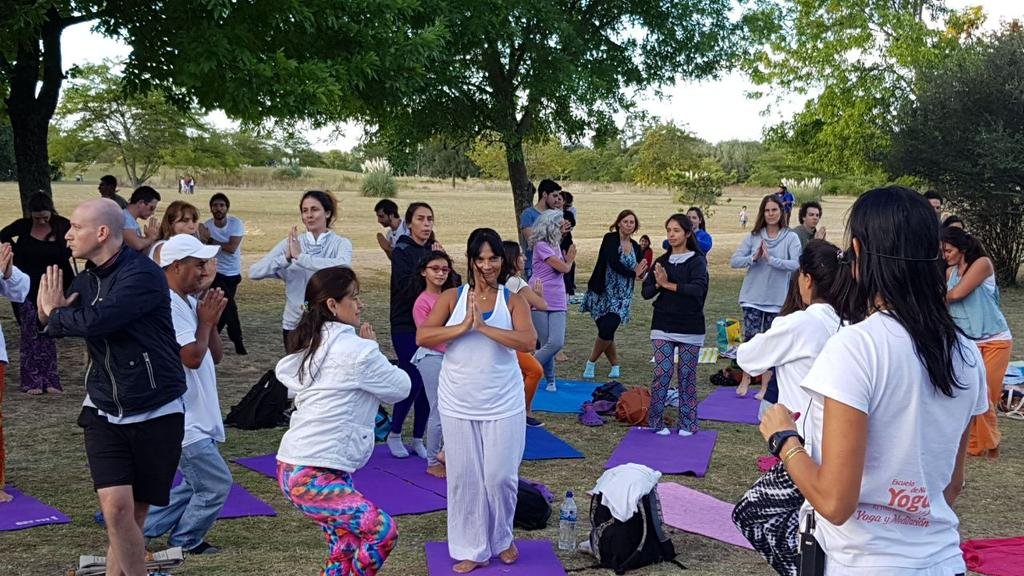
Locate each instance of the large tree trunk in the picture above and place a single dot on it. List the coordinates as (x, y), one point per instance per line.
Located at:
(522, 192)
(30, 112)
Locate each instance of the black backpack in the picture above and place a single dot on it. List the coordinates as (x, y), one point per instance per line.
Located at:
(532, 509)
(263, 406)
(640, 541)
(609, 391)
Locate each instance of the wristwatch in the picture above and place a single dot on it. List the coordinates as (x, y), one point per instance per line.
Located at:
(775, 441)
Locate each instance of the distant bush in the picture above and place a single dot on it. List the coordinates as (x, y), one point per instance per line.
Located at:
(806, 190)
(290, 172)
(377, 180)
(850, 185)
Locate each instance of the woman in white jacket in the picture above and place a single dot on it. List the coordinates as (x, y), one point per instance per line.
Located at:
(338, 378)
(296, 258)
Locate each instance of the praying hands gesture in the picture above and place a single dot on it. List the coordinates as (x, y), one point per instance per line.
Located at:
(641, 268)
(6, 260)
(820, 233)
(366, 331)
(152, 231)
(51, 293)
(211, 307)
(762, 252)
(294, 247)
(660, 276)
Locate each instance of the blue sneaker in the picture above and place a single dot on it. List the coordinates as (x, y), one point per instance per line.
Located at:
(588, 370)
(614, 372)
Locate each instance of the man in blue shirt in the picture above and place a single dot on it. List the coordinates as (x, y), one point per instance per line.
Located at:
(549, 197)
(787, 199)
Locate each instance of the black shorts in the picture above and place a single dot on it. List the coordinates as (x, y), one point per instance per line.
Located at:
(607, 325)
(143, 455)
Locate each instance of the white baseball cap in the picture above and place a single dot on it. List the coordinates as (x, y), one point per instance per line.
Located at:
(183, 246)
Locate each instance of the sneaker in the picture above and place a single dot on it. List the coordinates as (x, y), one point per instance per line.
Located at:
(588, 370)
(685, 433)
(204, 548)
(663, 432)
(614, 372)
(396, 446)
(551, 387)
(240, 349)
(533, 422)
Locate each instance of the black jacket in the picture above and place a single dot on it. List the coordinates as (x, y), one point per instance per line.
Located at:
(404, 258)
(123, 311)
(682, 311)
(608, 257)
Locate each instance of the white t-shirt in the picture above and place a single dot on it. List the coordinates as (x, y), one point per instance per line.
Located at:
(515, 284)
(202, 407)
(902, 524)
(394, 235)
(228, 263)
(130, 223)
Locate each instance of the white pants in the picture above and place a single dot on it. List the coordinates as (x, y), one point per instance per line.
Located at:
(482, 460)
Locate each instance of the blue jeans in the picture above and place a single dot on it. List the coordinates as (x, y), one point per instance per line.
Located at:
(196, 502)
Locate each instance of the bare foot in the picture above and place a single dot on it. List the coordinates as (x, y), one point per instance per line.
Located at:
(437, 470)
(440, 456)
(5, 497)
(760, 393)
(54, 391)
(467, 566)
(510, 555)
(744, 386)
(561, 357)
(33, 392)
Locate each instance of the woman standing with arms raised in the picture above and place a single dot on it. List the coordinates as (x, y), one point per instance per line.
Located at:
(892, 397)
(973, 298)
(480, 398)
(296, 258)
(770, 253)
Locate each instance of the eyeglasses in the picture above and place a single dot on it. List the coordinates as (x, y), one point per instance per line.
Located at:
(441, 269)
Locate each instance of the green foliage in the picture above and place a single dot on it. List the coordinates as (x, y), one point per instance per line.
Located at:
(340, 160)
(965, 134)
(437, 158)
(850, 185)
(737, 157)
(379, 185)
(700, 186)
(662, 149)
(290, 172)
(778, 162)
(8, 166)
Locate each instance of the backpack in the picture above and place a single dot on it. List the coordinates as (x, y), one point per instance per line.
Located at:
(381, 424)
(609, 391)
(532, 509)
(633, 405)
(640, 541)
(263, 406)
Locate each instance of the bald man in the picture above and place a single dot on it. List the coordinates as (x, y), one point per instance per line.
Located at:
(133, 411)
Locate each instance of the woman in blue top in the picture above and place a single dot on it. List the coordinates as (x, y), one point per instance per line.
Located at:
(700, 233)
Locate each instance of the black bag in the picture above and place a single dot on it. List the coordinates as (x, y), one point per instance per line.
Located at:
(532, 509)
(640, 541)
(263, 406)
(609, 391)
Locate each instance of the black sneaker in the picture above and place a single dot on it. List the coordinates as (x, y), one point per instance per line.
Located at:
(204, 548)
(240, 349)
(533, 422)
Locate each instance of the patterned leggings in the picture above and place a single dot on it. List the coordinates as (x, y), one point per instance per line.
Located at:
(687, 368)
(359, 534)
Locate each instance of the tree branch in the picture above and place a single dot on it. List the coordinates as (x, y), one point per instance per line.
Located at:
(80, 18)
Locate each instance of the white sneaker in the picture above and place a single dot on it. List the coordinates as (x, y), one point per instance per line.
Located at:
(551, 387)
(685, 433)
(663, 432)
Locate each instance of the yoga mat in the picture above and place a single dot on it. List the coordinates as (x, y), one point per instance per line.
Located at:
(672, 454)
(543, 445)
(696, 512)
(536, 558)
(724, 405)
(25, 511)
(412, 469)
(265, 464)
(570, 396)
(240, 503)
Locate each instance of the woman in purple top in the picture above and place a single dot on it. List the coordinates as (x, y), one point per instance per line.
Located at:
(549, 265)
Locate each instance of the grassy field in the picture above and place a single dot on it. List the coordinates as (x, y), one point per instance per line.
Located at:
(45, 450)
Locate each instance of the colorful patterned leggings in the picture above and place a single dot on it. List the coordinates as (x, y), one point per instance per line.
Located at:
(687, 368)
(360, 535)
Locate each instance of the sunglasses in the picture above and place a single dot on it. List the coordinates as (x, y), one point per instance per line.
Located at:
(441, 269)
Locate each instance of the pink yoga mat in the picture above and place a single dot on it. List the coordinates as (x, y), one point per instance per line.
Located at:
(536, 558)
(672, 454)
(696, 512)
(723, 405)
(25, 511)
(240, 503)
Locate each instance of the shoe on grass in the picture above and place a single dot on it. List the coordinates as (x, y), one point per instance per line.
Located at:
(533, 422)
(614, 372)
(203, 549)
(588, 370)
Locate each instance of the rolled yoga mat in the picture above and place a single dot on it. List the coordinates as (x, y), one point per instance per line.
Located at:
(570, 396)
(696, 512)
(536, 558)
(723, 405)
(25, 511)
(672, 454)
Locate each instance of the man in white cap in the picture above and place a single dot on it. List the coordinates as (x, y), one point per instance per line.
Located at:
(196, 502)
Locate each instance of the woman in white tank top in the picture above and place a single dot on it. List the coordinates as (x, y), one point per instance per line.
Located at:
(480, 398)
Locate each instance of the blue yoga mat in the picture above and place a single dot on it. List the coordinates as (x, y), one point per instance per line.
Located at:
(543, 445)
(570, 396)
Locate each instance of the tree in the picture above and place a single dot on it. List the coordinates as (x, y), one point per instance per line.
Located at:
(737, 157)
(662, 148)
(965, 134)
(311, 59)
(140, 130)
(524, 70)
(8, 167)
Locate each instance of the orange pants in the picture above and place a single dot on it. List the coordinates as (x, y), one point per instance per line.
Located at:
(3, 454)
(532, 373)
(985, 433)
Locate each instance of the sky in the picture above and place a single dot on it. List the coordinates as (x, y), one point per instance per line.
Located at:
(714, 110)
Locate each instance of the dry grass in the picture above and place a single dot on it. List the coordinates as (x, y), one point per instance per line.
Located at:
(45, 455)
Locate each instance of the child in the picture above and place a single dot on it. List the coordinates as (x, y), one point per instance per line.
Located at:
(743, 217)
(646, 253)
(339, 378)
(433, 276)
(532, 370)
(680, 282)
(14, 284)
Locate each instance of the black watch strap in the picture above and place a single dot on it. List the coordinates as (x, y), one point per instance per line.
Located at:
(776, 440)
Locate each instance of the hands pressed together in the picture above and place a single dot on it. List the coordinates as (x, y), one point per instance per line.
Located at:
(51, 293)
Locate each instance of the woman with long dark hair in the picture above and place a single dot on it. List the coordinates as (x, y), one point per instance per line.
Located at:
(700, 232)
(38, 243)
(973, 298)
(339, 377)
(610, 288)
(892, 397)
(480, 398)
(770, 253)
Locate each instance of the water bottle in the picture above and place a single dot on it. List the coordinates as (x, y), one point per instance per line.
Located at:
(567, 523)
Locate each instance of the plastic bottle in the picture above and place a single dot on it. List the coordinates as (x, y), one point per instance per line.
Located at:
(567, 523)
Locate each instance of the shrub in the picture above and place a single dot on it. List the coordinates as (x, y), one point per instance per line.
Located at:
(701, 186)
(290, 172)
(804, 190)
(378, 181)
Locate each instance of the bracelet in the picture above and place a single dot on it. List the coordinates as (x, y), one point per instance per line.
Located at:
(792, 452)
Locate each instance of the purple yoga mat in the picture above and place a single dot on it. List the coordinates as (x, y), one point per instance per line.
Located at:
(25, 511)
(672, 454)
(396, 485)
(724, 405)
(696, 512)
(536, 558)
(240, 503)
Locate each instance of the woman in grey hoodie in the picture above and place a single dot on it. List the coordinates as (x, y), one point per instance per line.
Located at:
(771, 252)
